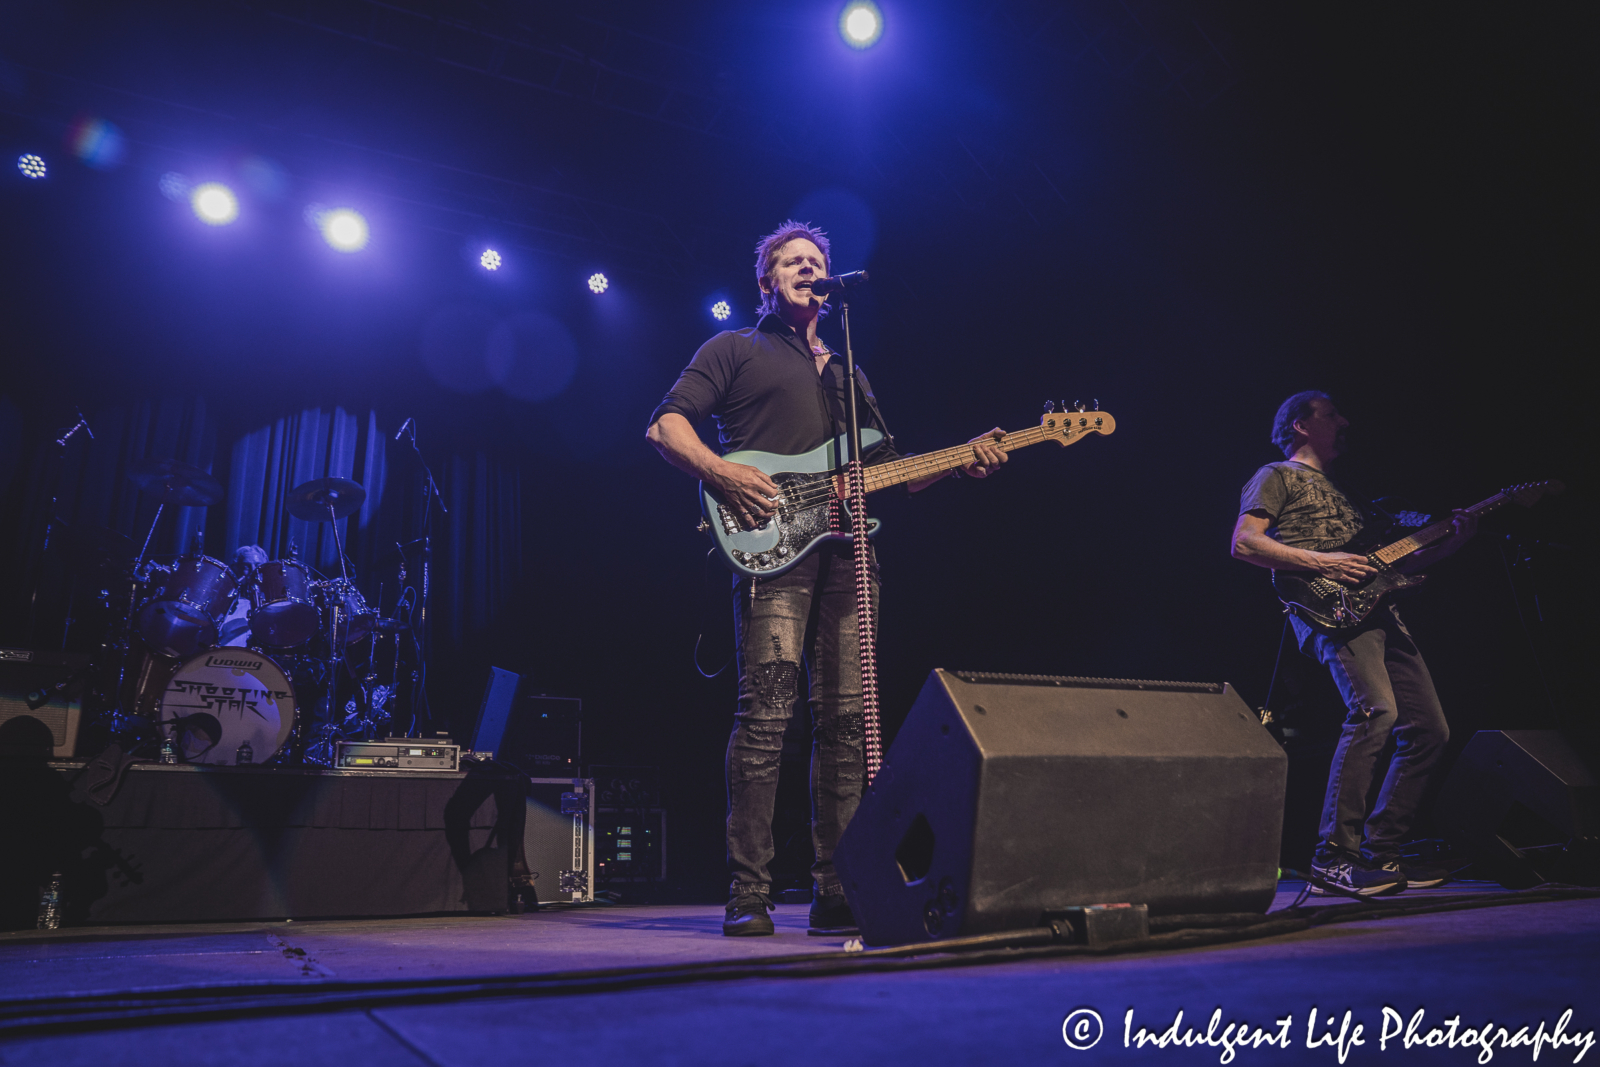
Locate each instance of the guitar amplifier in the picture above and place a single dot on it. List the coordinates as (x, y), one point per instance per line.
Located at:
(397, 754)
(40, 694)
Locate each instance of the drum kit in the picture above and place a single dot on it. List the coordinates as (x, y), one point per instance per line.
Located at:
(220, 658)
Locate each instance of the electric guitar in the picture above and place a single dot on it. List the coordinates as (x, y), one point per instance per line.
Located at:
(1332, 607)
(811, 491)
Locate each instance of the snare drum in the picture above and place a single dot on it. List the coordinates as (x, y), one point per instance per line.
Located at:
(356, 619)
(185, 605)
(284, 613)
(224, 697)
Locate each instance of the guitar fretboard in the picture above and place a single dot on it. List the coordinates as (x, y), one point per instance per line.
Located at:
(900, 471)
(1437, 532)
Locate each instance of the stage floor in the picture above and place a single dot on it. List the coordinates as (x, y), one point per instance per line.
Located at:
(1513, 965)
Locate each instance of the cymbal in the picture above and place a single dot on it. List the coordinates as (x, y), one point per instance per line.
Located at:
(173, 482)
(310, 500)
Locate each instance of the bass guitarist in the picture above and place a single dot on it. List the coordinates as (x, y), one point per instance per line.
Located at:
(1293, 517)
(778, 388)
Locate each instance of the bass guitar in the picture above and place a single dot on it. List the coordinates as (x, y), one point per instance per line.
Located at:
(1334, 608)
(811, 505)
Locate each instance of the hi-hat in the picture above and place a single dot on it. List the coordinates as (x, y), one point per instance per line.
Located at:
(173, 482)
(311, 500)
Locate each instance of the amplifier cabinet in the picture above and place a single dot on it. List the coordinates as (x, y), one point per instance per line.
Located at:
(558, 838)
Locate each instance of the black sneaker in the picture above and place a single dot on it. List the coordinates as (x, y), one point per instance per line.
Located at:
(1418, 875)
(747, 916)
(830, 915)
(1356, 877)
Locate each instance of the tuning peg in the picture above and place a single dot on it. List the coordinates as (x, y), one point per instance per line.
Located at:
(1049, 407)
(1079, 405)
(1097, 404)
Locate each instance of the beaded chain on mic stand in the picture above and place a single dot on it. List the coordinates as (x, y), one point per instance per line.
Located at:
(866, 627)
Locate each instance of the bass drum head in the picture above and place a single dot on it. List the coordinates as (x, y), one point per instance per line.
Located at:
(222, 698)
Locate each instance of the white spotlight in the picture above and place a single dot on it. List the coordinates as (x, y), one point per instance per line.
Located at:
(32, 166)
(343, 229)
(214, 203)
(598, 283)
(720, 311)
(861, 24)
(490, 259)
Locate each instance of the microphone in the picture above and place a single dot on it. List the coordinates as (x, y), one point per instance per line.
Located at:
(840, 283)
(404, 426)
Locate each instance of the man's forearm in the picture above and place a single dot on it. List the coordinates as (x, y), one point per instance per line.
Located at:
(1267, 552)
(674, 437)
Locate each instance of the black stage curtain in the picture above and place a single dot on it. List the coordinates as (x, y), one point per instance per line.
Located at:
(193, 843)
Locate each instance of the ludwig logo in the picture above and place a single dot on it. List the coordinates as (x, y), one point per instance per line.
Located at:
(226, 661)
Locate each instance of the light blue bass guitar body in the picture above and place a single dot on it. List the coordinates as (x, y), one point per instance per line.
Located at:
(806, 509)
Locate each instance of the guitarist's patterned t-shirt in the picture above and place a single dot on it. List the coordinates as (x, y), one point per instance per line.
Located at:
(1306, 510)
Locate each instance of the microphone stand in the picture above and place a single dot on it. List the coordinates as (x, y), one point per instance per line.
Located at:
(866, 624)
(423, 639)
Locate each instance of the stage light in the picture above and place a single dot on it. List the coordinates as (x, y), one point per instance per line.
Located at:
(861, 24)
(598, 283)
(720, 311)
(490, 259)
(343, 229)
(214, 203)
(32, 166)
(97, 142)
(173, 186)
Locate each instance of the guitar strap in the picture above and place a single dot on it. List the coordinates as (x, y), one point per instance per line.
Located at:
(872, 403)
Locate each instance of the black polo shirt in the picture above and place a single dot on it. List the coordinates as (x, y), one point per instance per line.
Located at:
(762, 387)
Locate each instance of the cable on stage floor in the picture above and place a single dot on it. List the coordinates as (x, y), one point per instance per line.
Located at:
(73, 1013)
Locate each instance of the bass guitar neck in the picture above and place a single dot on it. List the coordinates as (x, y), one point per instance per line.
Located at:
(810, 505)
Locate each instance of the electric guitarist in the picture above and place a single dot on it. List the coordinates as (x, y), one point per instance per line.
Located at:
(778, 388)
(1293, 517)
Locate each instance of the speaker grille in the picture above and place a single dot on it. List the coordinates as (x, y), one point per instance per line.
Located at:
(1071, 682)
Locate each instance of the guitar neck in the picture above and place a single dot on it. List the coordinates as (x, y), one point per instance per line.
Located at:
(900, 471)
(1437, 532)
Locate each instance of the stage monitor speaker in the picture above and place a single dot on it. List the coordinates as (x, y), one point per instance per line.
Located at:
(1005, 797)
(1511, 790)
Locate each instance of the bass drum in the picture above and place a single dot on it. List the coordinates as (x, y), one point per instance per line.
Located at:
(221, 699)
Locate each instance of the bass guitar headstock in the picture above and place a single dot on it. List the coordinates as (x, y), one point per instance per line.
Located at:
(1528, 493)
(1069, 425)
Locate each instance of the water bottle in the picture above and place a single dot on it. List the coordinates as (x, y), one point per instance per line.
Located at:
(169, 751)
(246, 754)
(50, 904)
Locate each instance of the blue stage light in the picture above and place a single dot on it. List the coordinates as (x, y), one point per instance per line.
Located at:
(343, 229)
(490, 259)
(720, 311)
(598, 283)
(173, 186)
(214, 204)
(32, 166)
(861, 24)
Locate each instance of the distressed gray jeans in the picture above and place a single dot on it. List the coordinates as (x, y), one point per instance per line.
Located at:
(799, 625)
(1391, 711)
